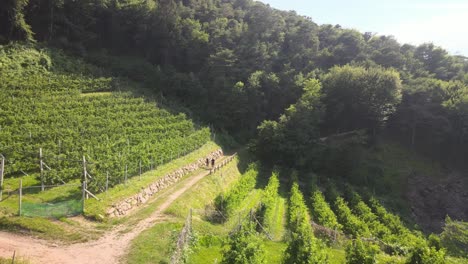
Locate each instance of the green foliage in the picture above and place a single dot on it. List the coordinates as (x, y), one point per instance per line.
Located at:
(434, 241)
(352, 225)
(359, 98)
(391, 230)
(44, 109)
(12, 19)
(40, 227)
(364, 212)
(358, 252)
(322, 213)
(228, 202)
(297, 209)
(245, 247)
(154, 245)
(292, 140)
(269, 200)
(455, 237)
(422, 254)
(393, 222)
(303, 247)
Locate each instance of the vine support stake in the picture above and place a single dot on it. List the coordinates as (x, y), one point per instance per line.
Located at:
(140, 170)
(107, 180)
(20, 196)
(83, 198)
(85, 174)
(126, 171)
(2, 169)
(41, 164)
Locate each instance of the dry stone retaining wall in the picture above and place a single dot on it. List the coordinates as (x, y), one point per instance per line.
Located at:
(125, 206)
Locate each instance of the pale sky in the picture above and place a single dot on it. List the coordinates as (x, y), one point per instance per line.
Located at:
(444, 23)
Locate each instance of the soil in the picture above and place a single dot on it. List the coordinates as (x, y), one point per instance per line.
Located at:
(109, 249)
(432, 199)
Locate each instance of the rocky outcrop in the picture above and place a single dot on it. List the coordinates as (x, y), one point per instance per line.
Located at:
(432, 199)
(124, 207)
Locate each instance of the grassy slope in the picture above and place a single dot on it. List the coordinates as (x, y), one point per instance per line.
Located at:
(143, 250)
(69, 230)
(96, 209)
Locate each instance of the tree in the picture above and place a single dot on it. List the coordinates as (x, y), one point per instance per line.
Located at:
(12, 19)
(293, 139)
(359, 98)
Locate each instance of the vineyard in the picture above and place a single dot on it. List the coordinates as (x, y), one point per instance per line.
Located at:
(51, 120)
(327, 225)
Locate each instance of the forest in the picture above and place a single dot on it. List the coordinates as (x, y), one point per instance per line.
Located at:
(319, 99)
(243, 62)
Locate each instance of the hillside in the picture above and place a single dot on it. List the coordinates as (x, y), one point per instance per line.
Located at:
(69, 112)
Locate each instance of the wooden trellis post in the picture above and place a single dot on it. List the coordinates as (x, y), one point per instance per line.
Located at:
(85, 180)
(126, 171)
(20, 196)
(140, 170)
(41, 164)
(107, 180)
(2, 169)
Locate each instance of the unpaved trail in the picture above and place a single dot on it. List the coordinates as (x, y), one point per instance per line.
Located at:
(107, 250)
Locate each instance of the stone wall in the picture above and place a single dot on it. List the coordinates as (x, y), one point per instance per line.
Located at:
(124, 207)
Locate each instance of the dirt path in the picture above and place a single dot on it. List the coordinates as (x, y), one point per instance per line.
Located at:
(106, 250)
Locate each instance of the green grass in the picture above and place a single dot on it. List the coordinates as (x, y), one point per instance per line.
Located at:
(41, 227)
(154, 245)
(205, 191)
(67, 230)
(96, 209)
(335, 255)
(453, 260)
(211, 254)
(278, 224)
(274, 251)
(17, 261)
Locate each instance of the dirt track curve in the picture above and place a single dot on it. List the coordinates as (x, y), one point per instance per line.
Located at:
(109, 249)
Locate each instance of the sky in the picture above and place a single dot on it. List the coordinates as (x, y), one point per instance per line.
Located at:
(444, 23)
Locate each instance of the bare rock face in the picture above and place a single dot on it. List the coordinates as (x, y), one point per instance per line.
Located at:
(432, 199)
(125, 206)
